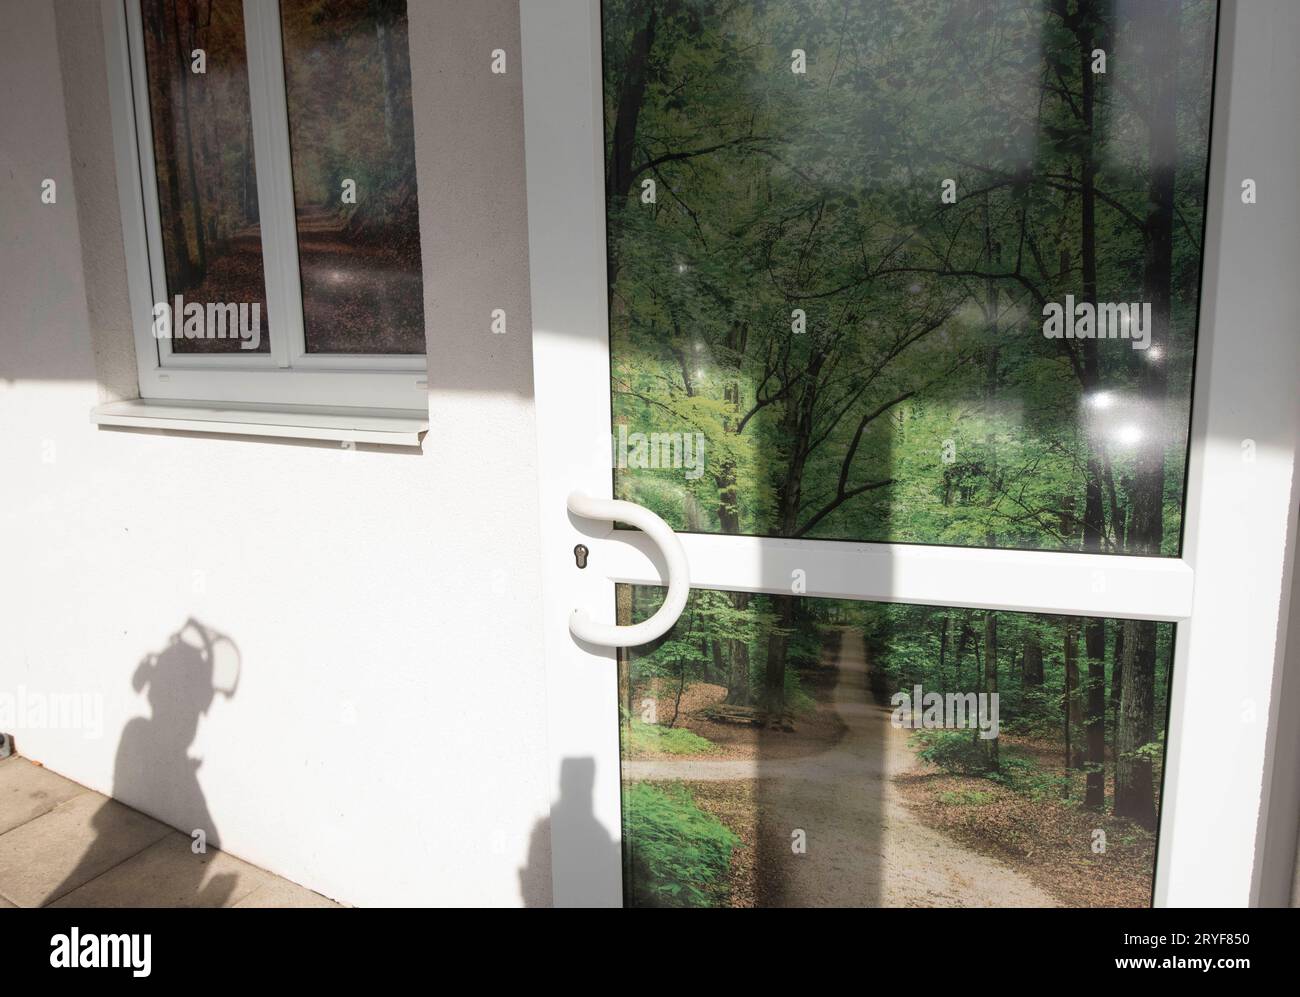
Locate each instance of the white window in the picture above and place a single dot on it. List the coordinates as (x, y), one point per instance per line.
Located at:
(266, 167)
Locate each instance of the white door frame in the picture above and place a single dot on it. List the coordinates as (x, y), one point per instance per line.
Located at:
(1241, 513)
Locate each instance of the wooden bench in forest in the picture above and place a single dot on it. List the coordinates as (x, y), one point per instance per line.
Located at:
(754, 716)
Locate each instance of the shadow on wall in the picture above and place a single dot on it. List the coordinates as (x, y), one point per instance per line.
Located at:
(575, 812)
(153, 759)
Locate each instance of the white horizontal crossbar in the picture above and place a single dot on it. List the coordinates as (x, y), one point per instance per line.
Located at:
(1146, 588)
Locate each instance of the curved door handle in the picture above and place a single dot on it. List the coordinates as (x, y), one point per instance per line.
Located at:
(679, 581)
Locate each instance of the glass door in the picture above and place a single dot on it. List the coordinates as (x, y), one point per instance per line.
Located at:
(880, 322)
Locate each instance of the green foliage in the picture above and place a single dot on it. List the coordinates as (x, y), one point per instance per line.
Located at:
(967, 798)
(953, 751)
(915, 398)
(796, 699)
(1152, 751)
(1037, 713)
(921, 401)
(1024, 775)
(677, 855)
(804, 649)
(957, 752)
(654, 739)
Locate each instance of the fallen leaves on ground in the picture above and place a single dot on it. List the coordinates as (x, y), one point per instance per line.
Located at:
(1048, 840)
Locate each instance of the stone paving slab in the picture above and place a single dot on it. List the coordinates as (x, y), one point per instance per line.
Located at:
(169, 874)
(282, 893)
(27, 791)
(69, 846)
(64, 845)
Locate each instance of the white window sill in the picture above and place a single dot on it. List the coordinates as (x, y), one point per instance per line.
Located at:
(395, 427)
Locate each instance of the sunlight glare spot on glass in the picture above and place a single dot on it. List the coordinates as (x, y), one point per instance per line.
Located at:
(1101, 399)
(1128, 435)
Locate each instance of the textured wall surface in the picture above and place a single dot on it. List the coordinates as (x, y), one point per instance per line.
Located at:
(385, 743)
(90, 138)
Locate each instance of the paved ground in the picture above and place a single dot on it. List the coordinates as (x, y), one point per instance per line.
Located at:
(864, 846)
(63, 845)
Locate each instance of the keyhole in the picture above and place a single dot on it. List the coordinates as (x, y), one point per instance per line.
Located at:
(580, 553)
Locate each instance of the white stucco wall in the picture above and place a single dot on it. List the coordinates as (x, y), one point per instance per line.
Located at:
(386, 741)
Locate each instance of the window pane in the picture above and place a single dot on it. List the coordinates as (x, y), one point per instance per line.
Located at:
(203, 156)
(782, 752)
(907, 272)
(348, 76)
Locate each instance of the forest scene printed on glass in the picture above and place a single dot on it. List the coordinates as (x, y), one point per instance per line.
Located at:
(874, 755)
(202, 131)
(909, 272)
(347, 72)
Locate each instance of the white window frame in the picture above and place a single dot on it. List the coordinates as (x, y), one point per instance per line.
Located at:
(1228, 593)
(288, 375)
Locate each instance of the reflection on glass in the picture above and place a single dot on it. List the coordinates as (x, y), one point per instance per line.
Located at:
(348, 77)
(203, 157)
(889, 755)
(881, 255)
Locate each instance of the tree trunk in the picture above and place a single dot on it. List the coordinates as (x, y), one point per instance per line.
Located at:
(691, 513)
(1093, 695)
(738, 689)
(681, 687)
(1134, 788)
(963, 636)
(737, 341)
(788, 481)
(1134, 783)
(166, 133)
(1073, 703)
(738, 693)
(943, 644)
(623, 617)
(1033, 671)
(778, 644)
(991, 681)
(196, 206)
(1095, 699)
(1117, 670)
(386, 76)
(246, 176)
(631, 96)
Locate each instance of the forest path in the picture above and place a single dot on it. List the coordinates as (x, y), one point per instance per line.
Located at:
(864, 847)
(322, 230)
(357, 296)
